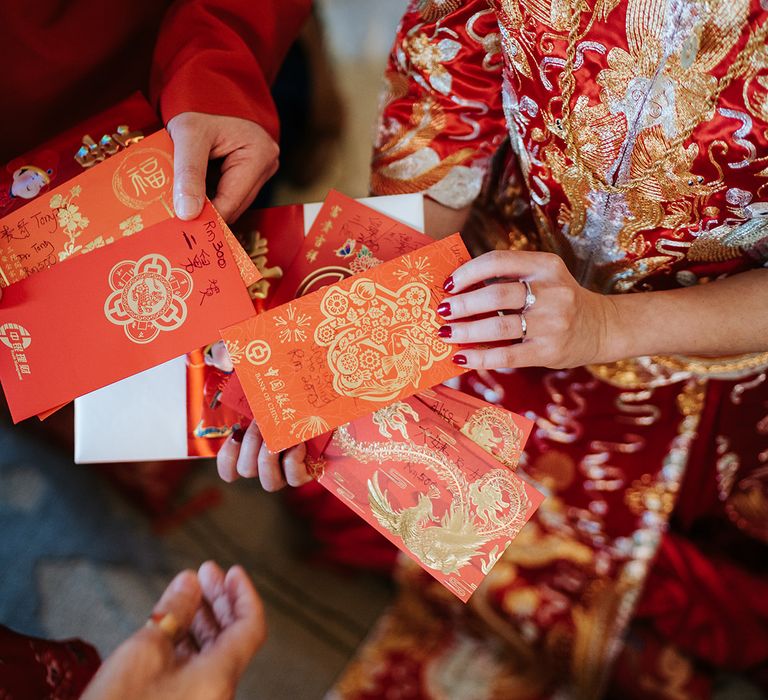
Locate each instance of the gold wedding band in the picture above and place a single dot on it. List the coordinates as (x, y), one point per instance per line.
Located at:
(166, 623)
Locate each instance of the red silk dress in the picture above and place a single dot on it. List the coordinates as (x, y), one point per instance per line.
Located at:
(630, 137)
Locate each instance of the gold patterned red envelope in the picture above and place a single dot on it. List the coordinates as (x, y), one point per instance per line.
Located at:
(128, 192)
(347, 238)
(342, 352)
(122, 309)
(432, 490)
(499, 432)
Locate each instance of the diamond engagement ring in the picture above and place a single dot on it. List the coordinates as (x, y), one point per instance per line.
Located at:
(530, 300)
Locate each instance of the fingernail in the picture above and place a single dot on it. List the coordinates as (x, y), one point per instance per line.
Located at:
(444, 309)
(448, 284)
(445, 331)
(460, 360)
(187, 206)
(237, 435)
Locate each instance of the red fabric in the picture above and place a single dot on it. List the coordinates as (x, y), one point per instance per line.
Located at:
(62, 62)
(44, 670)
(707, 606)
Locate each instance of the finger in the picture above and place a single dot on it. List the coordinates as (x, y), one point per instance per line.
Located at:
(520, 264)
(294, 466)
(187, 647)
(270, 473)
(212, 580)
(191, 150)
(206, 627)
(243, 174)
(484, 330)
(241, 616)
(525, 354)
(176, 608)
(227, 457)
(494, 297)
(247, 461)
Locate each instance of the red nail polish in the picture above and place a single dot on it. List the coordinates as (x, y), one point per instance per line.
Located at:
(460, 360)
(237, 435)
(448, 284)
(445, 331)
(444, 309)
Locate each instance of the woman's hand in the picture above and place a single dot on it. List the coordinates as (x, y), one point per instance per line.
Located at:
(209, 625)
(245, 454)
(567, 326)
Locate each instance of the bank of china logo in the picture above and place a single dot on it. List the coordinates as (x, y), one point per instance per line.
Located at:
(148, 296)
(258, 352)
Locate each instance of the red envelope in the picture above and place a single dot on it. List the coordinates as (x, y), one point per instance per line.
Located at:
(429, 489)
(344, 351)
(68, 154)
(346, 238)
(115, 199)
(499, 432)
(120, 310)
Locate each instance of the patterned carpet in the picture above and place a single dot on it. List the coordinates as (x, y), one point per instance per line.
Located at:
(77, 560)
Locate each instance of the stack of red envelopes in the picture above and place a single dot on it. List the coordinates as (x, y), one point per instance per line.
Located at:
(350, 361)
(149, 289)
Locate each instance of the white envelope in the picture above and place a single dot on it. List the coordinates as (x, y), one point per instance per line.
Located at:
(144, 418)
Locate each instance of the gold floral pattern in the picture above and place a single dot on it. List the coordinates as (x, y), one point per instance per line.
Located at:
(377, 367)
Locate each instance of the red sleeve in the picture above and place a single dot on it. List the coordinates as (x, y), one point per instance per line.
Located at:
(442, 117)
(220, 57)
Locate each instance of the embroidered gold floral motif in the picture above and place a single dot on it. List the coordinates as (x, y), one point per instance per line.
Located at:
(379, 340)
(645, 495)
(747, 505)
(660, 370)
(429, 58)
(432, 10)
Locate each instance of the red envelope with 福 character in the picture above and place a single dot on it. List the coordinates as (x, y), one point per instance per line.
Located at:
(344, 351)
(119, 310)
(432, 490)
(127, 193)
